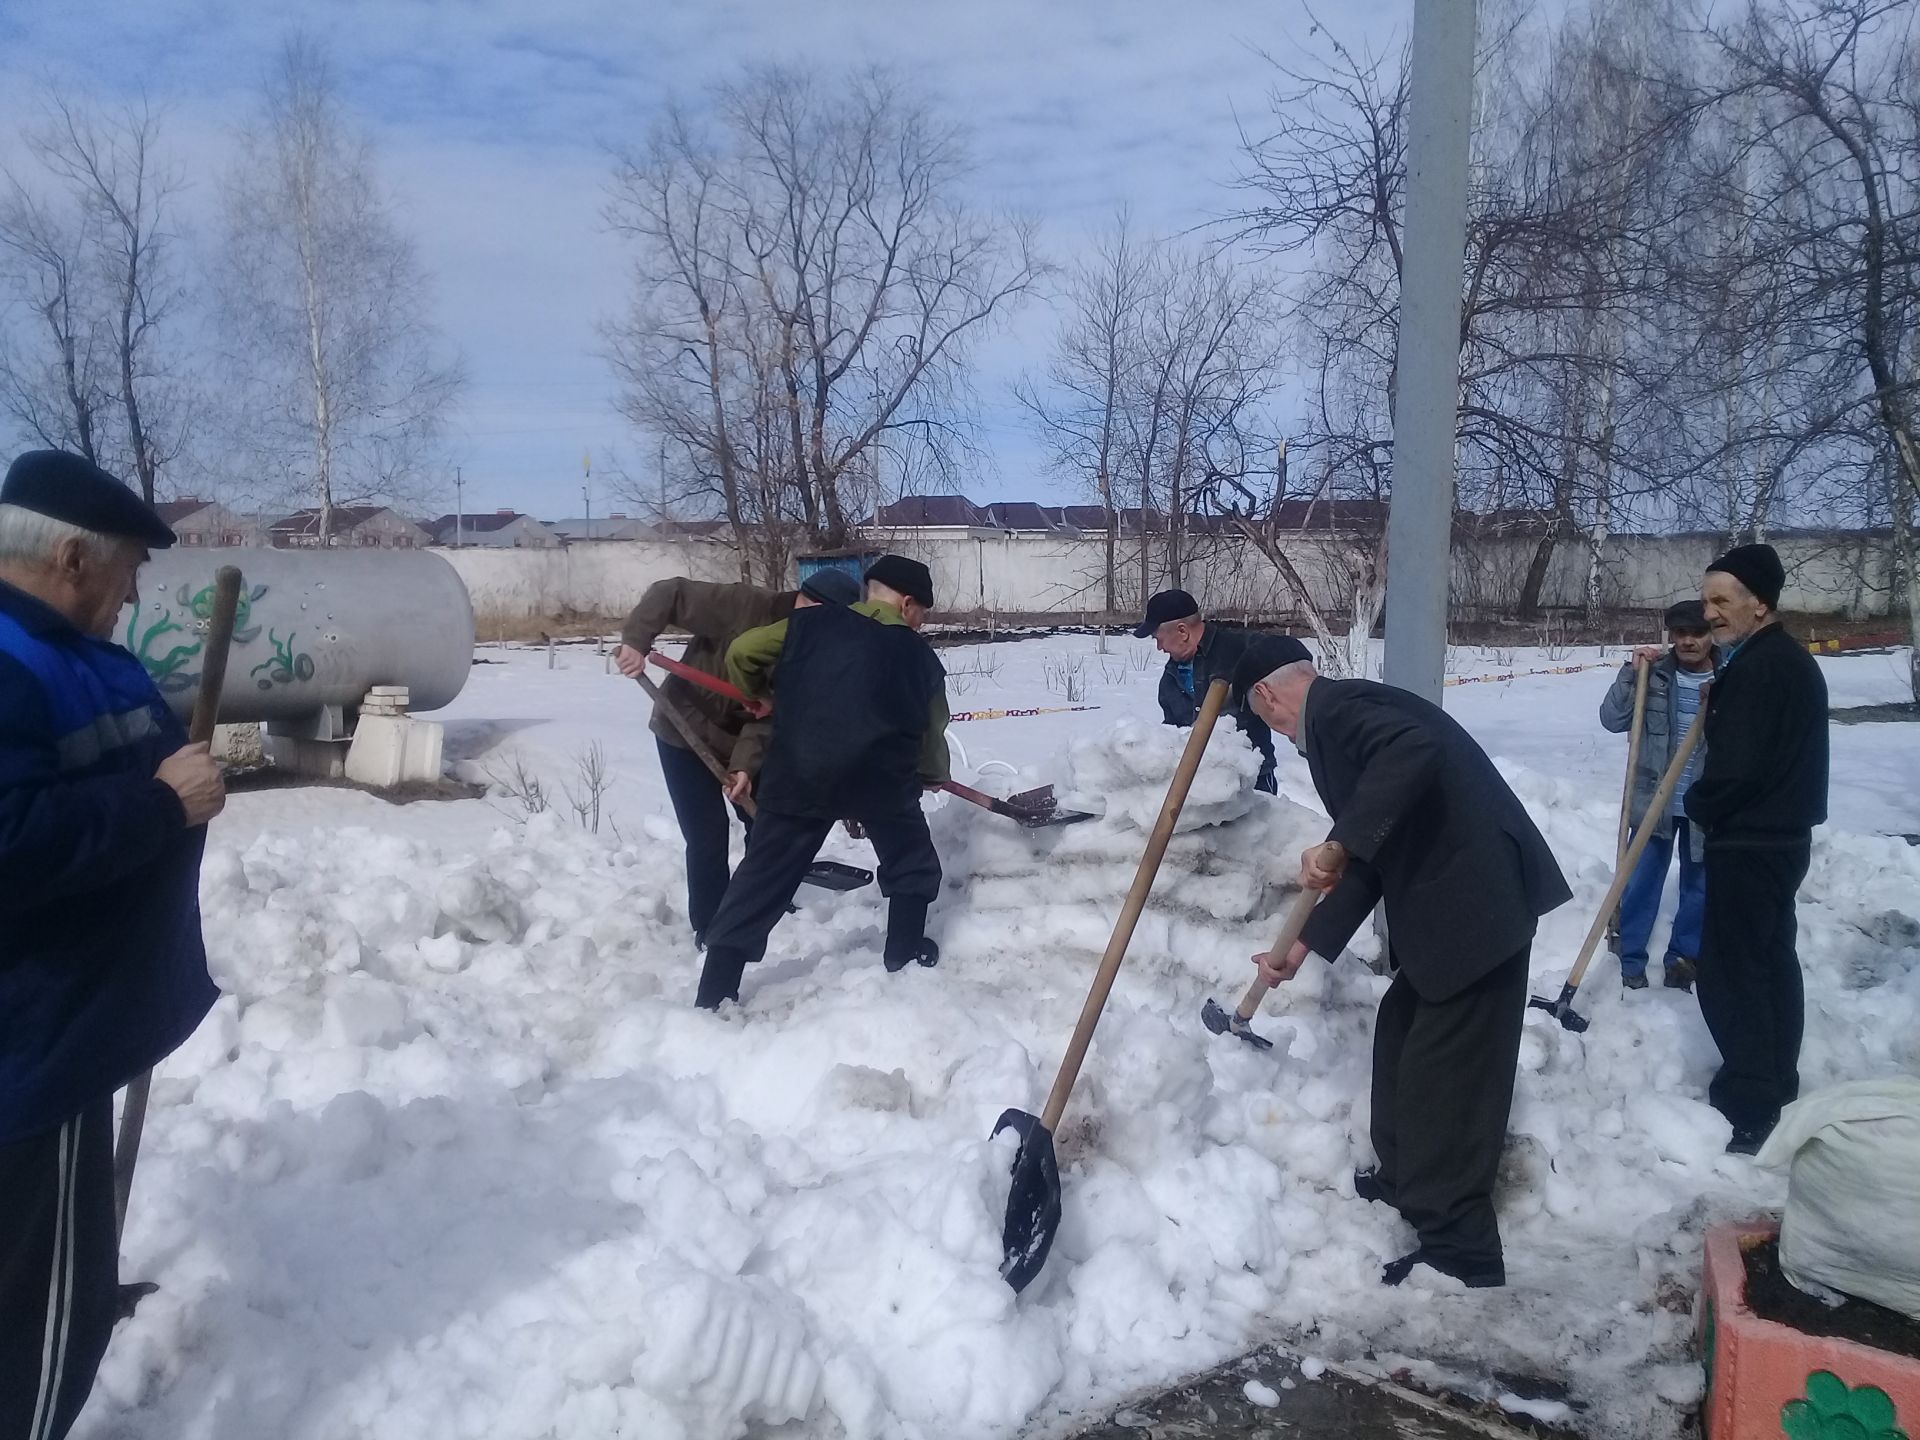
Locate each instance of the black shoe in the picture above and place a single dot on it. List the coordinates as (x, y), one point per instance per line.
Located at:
(1484, 1275)
(1747, 1141)
(127, 1297)
(923, 951)
(1634, 982)
(1678, 974)
(1368, 1185)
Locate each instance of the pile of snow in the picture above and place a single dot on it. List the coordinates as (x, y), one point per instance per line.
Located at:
(456, 1157)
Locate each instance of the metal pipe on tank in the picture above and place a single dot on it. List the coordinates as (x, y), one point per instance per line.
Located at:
(314, 629)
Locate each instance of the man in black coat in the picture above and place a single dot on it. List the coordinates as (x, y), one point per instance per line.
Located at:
(859, 728)
(1199, 652)
(1423, 821)
(1761, 793)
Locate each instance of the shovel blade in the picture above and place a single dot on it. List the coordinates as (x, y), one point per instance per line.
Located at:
(1561, 1010)
(1033, 1200)
(833, 875)
(1222, 1021)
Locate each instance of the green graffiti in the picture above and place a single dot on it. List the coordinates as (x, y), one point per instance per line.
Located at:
(285, 665)
(199, 604)
(165, 668)
(1831, 1411)
(189, 614)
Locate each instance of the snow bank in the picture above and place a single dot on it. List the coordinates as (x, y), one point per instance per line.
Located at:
(454, 1157)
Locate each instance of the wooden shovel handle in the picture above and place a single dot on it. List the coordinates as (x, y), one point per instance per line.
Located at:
(1136, 902)
(1290, 928)
(1643, 671)
(206, 714)
(213, 662)
(1624, 870)
(680, 722)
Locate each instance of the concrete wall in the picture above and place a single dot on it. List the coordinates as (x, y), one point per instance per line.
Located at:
(1022, 573)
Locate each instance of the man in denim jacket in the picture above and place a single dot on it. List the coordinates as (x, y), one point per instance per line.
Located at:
(1673, 698)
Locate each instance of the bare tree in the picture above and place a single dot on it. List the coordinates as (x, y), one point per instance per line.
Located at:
(1080, 410)
(332, 354)
(807, 286)
(51, 361)
(1829, 159)
(112, 163)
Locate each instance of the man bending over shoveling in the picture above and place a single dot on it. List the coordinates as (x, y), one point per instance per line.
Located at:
(859, 711)
(1423, 821)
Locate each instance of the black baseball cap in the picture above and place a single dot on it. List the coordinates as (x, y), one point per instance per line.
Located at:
(1264, 656)
(71, 488)
(1688, 615)
(1167, 605)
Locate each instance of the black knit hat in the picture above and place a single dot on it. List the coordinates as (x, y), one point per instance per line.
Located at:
(909, 577)
(831, 587)
(1264, 656)
(1758, 568)
(1687, 615)
(73, 489)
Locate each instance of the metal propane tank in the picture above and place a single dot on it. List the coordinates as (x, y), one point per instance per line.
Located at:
(315, 631)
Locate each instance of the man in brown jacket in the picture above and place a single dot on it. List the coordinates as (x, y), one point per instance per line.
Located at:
(714, 617)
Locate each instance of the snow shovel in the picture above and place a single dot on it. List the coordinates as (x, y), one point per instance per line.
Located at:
(827, 874)
(1562, 1008)
(1642, 670)
(206, 709)
(1221, 1021)
(1033, 1200)
(1030, 809)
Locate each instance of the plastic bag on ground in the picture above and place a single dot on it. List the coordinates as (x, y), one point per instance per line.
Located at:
(1852, 1222)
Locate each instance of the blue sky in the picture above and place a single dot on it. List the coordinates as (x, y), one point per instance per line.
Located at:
(492, 117)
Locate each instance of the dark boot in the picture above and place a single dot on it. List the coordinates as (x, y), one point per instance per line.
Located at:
(907, 936)
(1481, 1275)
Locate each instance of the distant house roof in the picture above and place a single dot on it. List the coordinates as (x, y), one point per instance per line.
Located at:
(929, 511)
(471, 524)
(172, 512)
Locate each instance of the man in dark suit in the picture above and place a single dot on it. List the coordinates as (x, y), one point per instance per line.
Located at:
(1423, 821)
(1200, 651)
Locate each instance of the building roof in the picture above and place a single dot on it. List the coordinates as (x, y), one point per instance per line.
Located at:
(345, 517)
(172, 512)
(474, 524)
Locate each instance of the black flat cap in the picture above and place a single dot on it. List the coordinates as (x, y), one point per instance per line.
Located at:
(1264, 656)
(72, 488)
(1167, 605)
(909, 577)
(1688, 615)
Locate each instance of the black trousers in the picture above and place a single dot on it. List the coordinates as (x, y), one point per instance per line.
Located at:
(778, 854)
(701, 809)
(1442, 1090)
(1749, 984)
(59, 1272)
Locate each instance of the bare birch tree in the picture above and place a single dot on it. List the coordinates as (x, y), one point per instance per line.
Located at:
(332, 355)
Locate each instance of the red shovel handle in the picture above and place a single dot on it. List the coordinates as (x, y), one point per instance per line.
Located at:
(696, 677)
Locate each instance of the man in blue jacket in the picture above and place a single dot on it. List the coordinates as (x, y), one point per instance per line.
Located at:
(102, 970)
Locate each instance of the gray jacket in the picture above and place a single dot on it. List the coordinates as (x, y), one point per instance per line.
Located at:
(1661, 738)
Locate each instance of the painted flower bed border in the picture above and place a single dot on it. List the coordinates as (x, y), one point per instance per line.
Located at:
(1766, 1380)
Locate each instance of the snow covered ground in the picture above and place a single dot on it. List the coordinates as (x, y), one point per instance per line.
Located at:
(455, 1157)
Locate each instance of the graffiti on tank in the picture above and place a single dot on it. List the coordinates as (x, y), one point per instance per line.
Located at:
(285, 665)
(166, 661)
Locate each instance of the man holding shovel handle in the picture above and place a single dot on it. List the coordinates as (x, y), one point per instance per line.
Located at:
(1422, 821)
(1655, 698)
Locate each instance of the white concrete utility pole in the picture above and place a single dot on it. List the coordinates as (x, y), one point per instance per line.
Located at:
(1427, 399)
